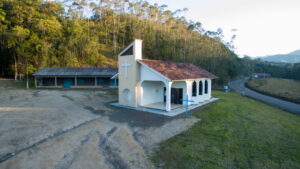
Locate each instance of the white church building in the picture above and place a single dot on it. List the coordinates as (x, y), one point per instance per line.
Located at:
(159, 84)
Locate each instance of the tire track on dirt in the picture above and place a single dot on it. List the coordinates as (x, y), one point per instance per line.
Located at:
(68, 158)
(55, 135)
(110, 153)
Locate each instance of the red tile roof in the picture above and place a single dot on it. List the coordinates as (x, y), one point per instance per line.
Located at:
(177, 71)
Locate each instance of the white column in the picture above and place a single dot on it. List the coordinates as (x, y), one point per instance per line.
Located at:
(55, 81)
(168, 95)
(189, 88)
(75, 80)
(139, 93)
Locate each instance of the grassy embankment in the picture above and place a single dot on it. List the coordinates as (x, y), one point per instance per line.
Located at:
(235, 132)
(19, 84)
(281, 88)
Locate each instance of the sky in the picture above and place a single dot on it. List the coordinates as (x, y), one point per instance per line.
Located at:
(264, 27)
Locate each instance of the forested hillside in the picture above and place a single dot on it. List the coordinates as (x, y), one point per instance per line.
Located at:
(80, 34)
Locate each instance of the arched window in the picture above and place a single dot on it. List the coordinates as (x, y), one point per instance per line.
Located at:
(206, 87)
(194, 89)
(200, 88)
(127, 95)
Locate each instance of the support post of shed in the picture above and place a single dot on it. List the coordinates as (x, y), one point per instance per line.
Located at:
(95, 81)
(55, 81)
(75, 80)
(35, 83)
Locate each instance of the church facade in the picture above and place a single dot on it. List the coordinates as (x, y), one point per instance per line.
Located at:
(159, 84)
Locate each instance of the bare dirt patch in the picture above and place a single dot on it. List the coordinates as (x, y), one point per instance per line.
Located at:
(78, 129)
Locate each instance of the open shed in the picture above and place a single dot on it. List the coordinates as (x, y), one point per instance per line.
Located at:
(76, 77)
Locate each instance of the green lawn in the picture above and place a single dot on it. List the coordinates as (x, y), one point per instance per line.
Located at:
(235, 132)
(282, 88)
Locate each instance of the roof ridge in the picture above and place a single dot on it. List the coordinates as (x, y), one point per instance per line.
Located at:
(167, 61)
(178, 70)
(76, 71)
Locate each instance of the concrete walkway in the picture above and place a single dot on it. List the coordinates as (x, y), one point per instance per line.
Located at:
(174, 112)
(239, 86)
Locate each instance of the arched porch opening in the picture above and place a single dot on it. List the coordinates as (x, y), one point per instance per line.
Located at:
(152, 94)
(162, 95)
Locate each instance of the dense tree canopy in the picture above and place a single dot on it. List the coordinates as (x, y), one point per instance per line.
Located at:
(78, 33)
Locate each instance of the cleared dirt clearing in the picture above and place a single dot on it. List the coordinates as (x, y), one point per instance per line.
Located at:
(78, 129)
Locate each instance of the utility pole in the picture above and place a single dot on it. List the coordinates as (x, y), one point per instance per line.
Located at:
(27, 79)
(27, 84)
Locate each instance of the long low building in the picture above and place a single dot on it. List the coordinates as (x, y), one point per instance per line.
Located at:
(76, 77)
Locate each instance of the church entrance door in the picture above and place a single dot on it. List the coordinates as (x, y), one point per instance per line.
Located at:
(176, 95)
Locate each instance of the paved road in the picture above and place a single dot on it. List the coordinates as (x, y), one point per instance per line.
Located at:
(239, 86)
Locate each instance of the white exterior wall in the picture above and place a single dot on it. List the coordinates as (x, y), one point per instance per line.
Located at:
(147, 74)
(208, 95)
(191, 97)
(198, 98)
(201, 98)
(130, 85)
(152, 92)
(209, 88)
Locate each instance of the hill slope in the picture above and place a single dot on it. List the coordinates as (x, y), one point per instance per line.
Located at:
(47, 36)
(293, 57)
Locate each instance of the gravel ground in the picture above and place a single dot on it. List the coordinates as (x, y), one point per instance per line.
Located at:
(78, 129)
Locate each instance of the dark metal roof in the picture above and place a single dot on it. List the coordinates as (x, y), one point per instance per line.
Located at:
(71, 71)
(178, 71)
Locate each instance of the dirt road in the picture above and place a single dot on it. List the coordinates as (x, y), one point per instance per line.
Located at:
(78, 129)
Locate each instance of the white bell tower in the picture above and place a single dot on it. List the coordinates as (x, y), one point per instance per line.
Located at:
(129, 73)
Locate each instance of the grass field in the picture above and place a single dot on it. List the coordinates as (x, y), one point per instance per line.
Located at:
(282, 88)
(235, 132)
